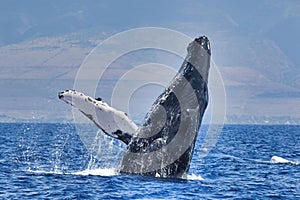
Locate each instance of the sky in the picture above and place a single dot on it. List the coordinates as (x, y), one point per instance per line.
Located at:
(254, 47)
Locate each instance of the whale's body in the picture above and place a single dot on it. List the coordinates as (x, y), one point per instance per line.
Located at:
(164, 144)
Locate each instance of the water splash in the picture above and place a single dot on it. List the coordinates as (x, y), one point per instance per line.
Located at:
(194, 177)
(98, 172)
(87, 172)
(280, 160)
(105, 152)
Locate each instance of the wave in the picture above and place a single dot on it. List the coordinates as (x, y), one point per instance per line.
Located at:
(98, 172)
(280, 160)
(194, 177)
(86, 172)
(102, 172)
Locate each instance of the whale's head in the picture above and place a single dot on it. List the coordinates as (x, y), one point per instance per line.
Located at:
(198, 54)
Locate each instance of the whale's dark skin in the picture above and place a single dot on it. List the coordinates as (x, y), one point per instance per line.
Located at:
(163, 146)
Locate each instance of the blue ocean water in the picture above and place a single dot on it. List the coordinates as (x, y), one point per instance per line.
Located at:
(49, 161)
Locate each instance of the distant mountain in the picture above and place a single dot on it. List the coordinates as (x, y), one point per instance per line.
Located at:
(254, 44)
(30, 19)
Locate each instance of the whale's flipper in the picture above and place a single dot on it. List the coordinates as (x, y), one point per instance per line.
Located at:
(163, 146)
(111, 121)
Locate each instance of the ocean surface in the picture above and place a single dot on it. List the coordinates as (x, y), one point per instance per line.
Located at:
(49, 161)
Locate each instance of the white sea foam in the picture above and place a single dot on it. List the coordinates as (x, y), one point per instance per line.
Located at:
(102, 172)
(277, 159)
(194, 177)
(86, 172)
(45, 172)
(97, 172)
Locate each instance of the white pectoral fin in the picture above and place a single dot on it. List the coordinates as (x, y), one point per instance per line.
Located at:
(113, 122)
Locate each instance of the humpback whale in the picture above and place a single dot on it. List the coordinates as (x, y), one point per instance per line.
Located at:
(164, 144)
